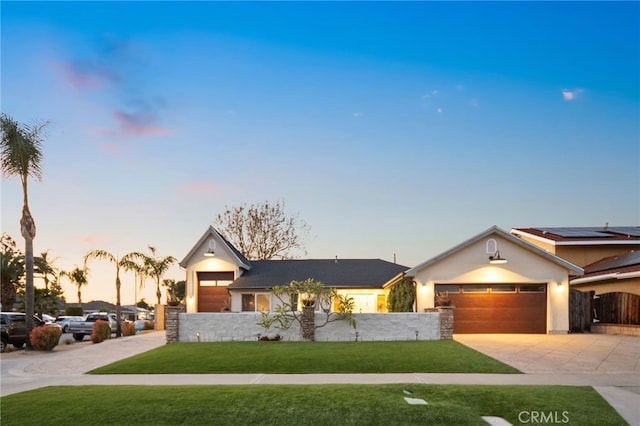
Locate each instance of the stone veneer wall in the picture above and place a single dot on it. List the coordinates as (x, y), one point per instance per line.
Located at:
(241, 326)
(171, 321)
(446, 322)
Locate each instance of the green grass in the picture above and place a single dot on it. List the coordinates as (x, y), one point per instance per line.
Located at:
(302, 405)
(442, 356)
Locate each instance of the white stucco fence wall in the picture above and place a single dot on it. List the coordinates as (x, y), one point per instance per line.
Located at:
(226, 327)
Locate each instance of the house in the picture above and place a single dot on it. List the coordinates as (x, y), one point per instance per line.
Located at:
(498, 283)
(610, 255)
(219, 277)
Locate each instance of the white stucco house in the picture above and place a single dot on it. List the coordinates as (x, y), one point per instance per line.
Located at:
(498, 283)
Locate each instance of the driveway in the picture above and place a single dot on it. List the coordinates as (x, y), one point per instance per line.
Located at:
(567, 353)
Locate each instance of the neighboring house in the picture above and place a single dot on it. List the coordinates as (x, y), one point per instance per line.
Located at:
(220, 278)
(619, 273)
(498, 283)
(583, 245)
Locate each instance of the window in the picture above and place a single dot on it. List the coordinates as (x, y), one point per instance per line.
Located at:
(532, 288)
(503, 288)
(248, 302)
(447, 288)
(475, 288)
(213, 279)
(252, 302)
(492, 246)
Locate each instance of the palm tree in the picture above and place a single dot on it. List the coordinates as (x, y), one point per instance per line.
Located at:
(44, 266)
(21, 155)
(156, 267)
(126, 262)
(79, 278)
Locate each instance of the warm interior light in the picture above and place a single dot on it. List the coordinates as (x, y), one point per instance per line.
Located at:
(496, 259)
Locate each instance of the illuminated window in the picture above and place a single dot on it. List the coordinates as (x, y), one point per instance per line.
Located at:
(252, 302)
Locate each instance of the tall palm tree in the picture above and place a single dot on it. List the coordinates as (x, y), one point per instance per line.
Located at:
(21, 155)
(44, 267)
(79, 278)
(126, 262)
(156, 267)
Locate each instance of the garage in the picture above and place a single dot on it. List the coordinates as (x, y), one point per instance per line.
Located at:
(497, 308)
(213, 295)
(498, 283)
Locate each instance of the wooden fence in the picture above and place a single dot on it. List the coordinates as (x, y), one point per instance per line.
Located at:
(618, 308)
(580, 311)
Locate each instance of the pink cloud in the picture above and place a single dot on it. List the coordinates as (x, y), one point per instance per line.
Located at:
(81, 77)
(198, 187)
(138, 124)
(569, 95)
(89, 238)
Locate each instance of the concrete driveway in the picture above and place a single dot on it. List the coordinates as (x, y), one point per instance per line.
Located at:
(568, 353)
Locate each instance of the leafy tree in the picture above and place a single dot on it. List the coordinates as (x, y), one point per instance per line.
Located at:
(175, 290)
(11, 271)
(21, 155)
(45, 301)
(126, 262)
(78, 277)
(402, 296)
(262, 231)
(156, 266)
(312, 295)
(143, 304)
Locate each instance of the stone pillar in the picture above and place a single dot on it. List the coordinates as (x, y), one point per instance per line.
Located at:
(172, 322)
(308, 323)
(446, 322)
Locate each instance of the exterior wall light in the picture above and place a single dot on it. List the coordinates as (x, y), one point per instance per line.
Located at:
(496, 259)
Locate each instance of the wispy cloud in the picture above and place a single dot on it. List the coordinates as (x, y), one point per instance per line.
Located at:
(83, 76)
(89, 239)
(358, 114)
(198, 187)
(569, 95)
(138, 124)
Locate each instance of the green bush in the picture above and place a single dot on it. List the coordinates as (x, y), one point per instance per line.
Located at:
(128, 328)
(100, 332)
(74, 311)
(45, 338)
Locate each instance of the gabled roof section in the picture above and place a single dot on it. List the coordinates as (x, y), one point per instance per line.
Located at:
(212, 233)
(495, 230)
(341, 273)
(584, 235)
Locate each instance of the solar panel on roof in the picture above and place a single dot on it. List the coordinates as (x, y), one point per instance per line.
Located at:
(576, 232)
(630, 259)
(633, 231)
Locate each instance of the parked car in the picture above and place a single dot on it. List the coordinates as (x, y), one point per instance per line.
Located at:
(13, 329)
(84, 328)
(64, 321)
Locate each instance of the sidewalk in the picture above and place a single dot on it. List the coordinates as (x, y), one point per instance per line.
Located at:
(23, 370)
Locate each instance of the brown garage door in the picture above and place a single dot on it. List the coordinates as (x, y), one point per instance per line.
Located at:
(213, 295)
(498, 308)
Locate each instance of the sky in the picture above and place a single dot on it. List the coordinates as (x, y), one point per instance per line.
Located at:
(392, 129)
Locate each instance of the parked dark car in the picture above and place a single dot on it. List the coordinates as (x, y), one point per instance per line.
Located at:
(14, 330)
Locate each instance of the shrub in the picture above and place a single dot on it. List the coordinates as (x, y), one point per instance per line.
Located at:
(148, 325)
(128, 328)
(100, 332)
(45, 338)
(74, 311)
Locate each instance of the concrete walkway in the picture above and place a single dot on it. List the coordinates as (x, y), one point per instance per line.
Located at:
(611, 364)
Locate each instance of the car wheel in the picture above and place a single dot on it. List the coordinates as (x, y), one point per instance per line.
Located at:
(18, 345)
(65, 329)
(78, 337)
(3, 345)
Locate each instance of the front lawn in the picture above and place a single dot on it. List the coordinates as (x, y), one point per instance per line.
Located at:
(441, 356)
(305, 405)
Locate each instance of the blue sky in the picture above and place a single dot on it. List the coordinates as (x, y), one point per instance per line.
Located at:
(390, 128)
